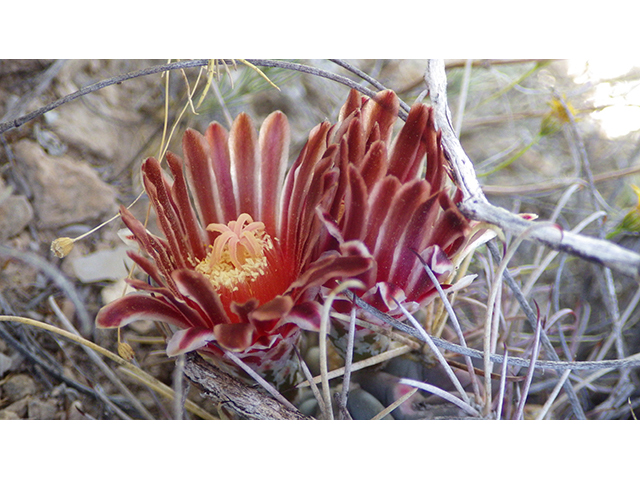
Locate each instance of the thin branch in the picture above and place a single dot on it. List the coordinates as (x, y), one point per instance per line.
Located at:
(321, 73)
(93, 356)
(631, 361)
(98, 86)
(368, 78)
(442, 394)
(475, 205)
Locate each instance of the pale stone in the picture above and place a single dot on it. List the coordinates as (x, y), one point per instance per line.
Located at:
(65, 191)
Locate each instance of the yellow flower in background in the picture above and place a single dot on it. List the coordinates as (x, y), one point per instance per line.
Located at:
(556, 117)
(630, 224)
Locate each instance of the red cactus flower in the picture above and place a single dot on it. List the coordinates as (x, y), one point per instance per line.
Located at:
(395, 202)
(249, 253)
(240, 264)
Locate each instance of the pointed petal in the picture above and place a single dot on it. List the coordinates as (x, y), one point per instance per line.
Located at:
(307, 315)
(353, 102)
(297, 183)
(155, 184)
(150, 244)
(374, 165)
(355, 207)
(274, 153)
(274, 308)
(217, 138)
(243, 151)
(402, 207)
(235, 337)
(379, 202)
(266, 318)
(330, 267)
(188, 340)
(383, 111)
(195, 287)
(138, 306)
(197, 155)
(389, 293)
(192, 230)
(405, 157)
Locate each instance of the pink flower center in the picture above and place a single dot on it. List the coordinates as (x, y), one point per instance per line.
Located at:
(238, 255)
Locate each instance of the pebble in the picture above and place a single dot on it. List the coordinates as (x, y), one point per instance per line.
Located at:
(42, 409)
(18, 387)
(65, 190)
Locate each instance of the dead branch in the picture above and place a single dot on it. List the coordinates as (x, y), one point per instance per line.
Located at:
(246, 401)
(476, 206)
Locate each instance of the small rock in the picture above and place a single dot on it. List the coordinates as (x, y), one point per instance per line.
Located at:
(5, 364)
(15, 214)
(18, 387)
(364, 406)
(19, 408)
(65, 191)
(8, 415)
(102, 265)
(42, 409)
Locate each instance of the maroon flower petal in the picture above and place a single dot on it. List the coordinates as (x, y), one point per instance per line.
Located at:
(374, 165)
(138, 306)
(269, 315)
(402, 207)
(408, 150)
(353, 103)
(274, 308)
(274, 153)
(332, 267)
(381, 110)
(243, 151)
(220, 164)
(200, 174)
(168, 219)
(188, 340)
(193, 231)
(298, 183)
(235, 337)
(355, 207)
(379, 201)
(195, 287)
(307, 315)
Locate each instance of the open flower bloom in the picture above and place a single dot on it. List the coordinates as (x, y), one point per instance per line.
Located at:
(394, 201)
(250, 250)
(240, 267)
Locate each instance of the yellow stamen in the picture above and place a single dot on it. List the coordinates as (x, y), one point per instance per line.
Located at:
(237, 254)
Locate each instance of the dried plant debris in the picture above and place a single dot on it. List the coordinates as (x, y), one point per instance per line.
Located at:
(498, 279)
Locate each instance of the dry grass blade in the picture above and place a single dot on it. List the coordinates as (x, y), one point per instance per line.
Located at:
(261, 381)
(127, 367)
(396, 404)
(442, 394)
(367, 362)
(437, 353)
(529, 378)
(503, 382)
(93, 356)
(348, 362)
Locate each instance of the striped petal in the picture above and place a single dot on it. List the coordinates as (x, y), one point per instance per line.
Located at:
(138, 306)
(188, 340)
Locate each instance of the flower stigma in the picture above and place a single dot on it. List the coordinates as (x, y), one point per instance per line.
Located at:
(238, 255)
